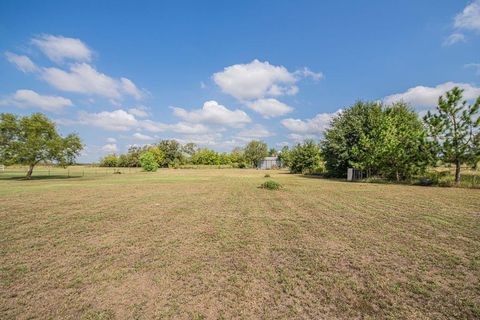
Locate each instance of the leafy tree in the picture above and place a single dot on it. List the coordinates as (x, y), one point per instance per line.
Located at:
(110, 160)
(158, 154)
(30, 140)
(172, 151)
(388, 141)
(284, 155)
(305, 157)
(224, 159)
(189, 148)
(255, 151)
(237, 157)
(453, 129)
(341, 147)
(206, 157)
(148, 161)
(272, 152)
(133, 156)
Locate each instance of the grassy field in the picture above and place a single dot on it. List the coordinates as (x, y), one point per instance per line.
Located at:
(209, 244)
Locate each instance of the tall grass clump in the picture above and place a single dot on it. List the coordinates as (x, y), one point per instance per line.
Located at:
(271, 185)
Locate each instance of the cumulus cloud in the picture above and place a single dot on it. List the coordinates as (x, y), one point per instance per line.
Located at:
(469, 18)
(118, 120)
(255, 80)
(270, 108)
(83, 78)
(23, 63)
(142, 137)
(256, 132)
(59, 48)
(111, 140)
(110, 148)
(213, 113)
(30, 99)
(426, 97)
(309, 127)
(454, 38)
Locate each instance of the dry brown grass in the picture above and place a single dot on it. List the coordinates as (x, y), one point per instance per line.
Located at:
(210, 244)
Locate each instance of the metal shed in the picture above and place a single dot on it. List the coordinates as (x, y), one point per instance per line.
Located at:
(270, 163)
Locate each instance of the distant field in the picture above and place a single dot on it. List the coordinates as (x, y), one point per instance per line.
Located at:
(195, 244)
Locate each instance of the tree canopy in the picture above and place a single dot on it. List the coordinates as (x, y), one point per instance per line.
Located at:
(32, 139)
(454, 129)
(255, 151)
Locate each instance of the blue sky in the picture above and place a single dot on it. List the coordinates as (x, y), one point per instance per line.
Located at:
(220, 73)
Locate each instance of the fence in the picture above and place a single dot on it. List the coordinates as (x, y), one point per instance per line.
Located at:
(357, 174)
(69, 172)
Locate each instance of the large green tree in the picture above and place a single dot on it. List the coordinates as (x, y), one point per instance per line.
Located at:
(389, 141)
(453, 128)
(255, 151)
(305, 157)
(32, 139)
(172, 151)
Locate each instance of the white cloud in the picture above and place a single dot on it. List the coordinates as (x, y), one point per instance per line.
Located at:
(83, 78)
(469, 18)
(130, 88)
(30, 99)
(454, 38)
(118, 120)
(307, 73)
(422, 96)
(270, 108)
(189, 128)
(59, 48)
(314, 126)
(23, 63)
(255, 80)
(256, 132)
(111, 140)
(140, 111)
(110, 148)
(213, 113)
(475, 66)
(142, 137)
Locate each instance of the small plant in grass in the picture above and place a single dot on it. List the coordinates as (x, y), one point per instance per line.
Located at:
(266, 175)
(271, 185)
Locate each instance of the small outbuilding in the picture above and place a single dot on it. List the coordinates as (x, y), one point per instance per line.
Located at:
(270, 163)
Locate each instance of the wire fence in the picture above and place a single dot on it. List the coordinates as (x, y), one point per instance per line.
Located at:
(69, 172)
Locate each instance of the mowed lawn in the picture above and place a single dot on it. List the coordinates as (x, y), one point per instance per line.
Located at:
(209, 244)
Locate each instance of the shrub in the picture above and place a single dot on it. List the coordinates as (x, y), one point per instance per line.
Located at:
(271, 185)
(266, 175)
(148, 161)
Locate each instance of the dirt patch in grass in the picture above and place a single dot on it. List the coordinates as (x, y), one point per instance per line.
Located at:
(209, 244)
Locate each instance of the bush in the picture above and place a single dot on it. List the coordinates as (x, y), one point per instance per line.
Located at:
(266, 176)
(271, 185)
(148, 161)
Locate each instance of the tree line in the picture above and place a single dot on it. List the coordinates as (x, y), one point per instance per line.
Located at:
(389, 141)
(170, 153)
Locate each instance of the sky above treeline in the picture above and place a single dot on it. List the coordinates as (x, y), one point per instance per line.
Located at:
(221, 73)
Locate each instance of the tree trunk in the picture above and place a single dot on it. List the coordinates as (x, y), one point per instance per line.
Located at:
(29, 172)
(457, 172)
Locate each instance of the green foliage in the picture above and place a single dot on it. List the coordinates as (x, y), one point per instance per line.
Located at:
(271, 185)
(304, 158)
(31, 139)
(387, 141)
(205, 156)
(148, 161)
(284, 155)
(237, 158)
(158, 154)
(272, 152)
(109, 161)
(172, 151)
(255, 151)
(454, 129)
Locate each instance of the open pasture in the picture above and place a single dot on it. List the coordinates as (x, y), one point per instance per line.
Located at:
(210, 244)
